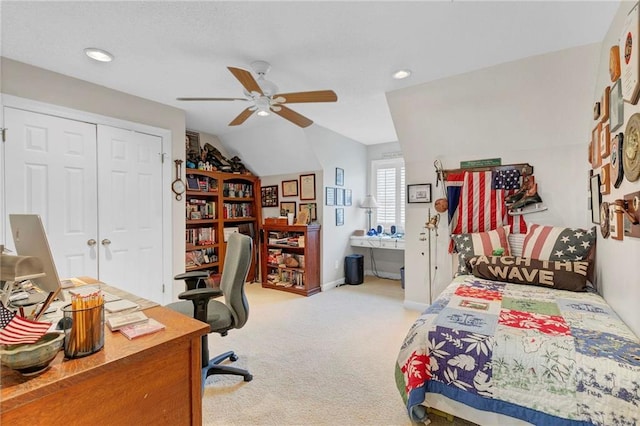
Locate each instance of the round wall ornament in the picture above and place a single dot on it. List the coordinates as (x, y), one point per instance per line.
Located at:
(631, 149)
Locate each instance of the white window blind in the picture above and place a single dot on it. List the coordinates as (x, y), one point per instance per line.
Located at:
(389, 190)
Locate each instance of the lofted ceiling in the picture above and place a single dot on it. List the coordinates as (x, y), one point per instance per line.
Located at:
(164, 50)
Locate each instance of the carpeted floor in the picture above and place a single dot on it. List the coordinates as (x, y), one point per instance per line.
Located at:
(327, 359)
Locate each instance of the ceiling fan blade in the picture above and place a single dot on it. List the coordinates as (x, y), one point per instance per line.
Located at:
(315, 96)
(211, 99)
(294, 117)
(242, 117)
(246, 79)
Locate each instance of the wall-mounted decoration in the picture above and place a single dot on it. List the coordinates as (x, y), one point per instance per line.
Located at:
(632, 215)
(591, 153)
(308, 187)
(339, 196)
(347, 197)
(419, 193)
(596, 110)
(631, 149)
(596, 198)
(595, 139)
(616, 106)
(605, 179)
(330, 196)
(290, 188)
(311, 208)
(604, 219)
(339, 176)
(605, 140)
(604, 104)
(269, 196)
(614, 63)
(629, 51)
(339, 217)
(615, 222)
(616, 161)
(287, 207)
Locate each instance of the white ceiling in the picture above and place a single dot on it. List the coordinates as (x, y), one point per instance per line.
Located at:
(165, 50)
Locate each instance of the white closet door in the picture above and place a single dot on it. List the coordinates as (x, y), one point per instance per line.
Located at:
(50, 170)
(130, 211)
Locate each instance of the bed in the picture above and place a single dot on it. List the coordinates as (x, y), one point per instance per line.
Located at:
(492, 349)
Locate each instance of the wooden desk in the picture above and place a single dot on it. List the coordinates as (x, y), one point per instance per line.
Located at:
(153, 379)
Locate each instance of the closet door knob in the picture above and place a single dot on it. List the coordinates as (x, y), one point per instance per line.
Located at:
(91, 242)
(106, 242)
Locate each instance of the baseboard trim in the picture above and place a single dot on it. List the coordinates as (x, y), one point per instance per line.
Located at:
(388, 275)
(332, 284)
(415, 306)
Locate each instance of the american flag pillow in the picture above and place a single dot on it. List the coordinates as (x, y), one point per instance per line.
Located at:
(478, 243)
(558, 243)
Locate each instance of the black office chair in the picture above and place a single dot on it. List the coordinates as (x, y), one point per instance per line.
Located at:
(221, 317)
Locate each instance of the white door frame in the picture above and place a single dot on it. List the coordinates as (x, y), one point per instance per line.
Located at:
(167, 168)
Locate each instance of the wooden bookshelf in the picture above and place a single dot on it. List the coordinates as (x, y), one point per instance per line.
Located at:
(219, 200)
(300, 242)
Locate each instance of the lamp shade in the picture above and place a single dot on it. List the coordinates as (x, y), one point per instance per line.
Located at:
(369, 202)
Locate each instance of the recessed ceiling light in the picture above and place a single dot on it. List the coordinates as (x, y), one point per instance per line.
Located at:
(400, 74)
(98, 54)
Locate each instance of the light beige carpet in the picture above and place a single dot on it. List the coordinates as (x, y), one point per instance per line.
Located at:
(327, 359)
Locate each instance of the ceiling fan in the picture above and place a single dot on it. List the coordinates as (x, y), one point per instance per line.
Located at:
(263, 95)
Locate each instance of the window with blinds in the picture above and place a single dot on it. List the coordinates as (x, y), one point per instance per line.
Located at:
(389, 190)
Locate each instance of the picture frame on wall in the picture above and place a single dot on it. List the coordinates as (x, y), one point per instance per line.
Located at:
(330, 196)
(339, 176)
(339, 196)
(604, 104)
(616, 106)
(596, 198)
(605, 141)
(288, 207)
(312, 208)
(339, 217)
(419, 193)
(308, 186)
(348, 200)
(269, 195)
(290, 188)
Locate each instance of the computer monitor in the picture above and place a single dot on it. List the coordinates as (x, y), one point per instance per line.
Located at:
(30, 239)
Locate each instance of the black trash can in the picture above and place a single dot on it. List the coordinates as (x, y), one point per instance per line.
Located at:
(354, 269)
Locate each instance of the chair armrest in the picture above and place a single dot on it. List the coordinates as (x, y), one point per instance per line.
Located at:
(200, 298)
(200, 293)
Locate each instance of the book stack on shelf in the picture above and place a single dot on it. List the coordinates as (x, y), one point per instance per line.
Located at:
(237, 210)
(198, 208)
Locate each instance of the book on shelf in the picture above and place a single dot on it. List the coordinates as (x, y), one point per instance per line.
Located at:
(116, 322)
(142, 329)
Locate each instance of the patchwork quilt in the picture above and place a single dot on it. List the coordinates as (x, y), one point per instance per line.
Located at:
(549, 357)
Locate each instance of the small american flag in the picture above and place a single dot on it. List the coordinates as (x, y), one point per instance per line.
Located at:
(15, 329)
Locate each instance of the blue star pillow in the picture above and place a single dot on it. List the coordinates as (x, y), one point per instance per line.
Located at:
(557, 243)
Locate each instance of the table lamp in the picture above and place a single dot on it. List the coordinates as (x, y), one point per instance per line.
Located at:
(369, 203)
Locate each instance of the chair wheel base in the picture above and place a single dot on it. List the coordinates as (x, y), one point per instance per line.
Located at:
(233, 358)
(248, 378)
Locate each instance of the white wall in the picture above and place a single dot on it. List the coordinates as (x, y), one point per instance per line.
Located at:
(617, 261)
(535, 110)
(333, 150)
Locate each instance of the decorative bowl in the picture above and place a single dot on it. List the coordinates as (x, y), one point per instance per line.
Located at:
(32, 358)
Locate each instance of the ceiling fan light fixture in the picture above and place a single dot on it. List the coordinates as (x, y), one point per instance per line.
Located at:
(99, 55)
(401, 74)
(263, 113)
